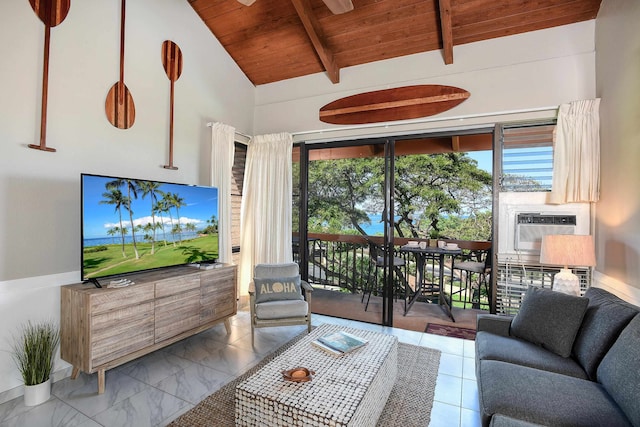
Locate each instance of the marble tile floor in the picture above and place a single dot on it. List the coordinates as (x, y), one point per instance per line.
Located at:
(157, 388)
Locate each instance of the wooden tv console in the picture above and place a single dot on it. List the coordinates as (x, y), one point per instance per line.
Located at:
(101, 328)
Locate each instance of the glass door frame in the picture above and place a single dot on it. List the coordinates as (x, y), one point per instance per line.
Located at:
(387, 214)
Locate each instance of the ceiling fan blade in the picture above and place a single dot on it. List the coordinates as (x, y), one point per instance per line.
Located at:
(247, 2)
(338, 6)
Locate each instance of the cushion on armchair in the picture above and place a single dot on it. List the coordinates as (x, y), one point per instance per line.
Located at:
(549, 319)
(284, 309)
(277, 289)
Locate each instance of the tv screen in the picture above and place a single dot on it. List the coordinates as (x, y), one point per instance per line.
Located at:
(131, 225)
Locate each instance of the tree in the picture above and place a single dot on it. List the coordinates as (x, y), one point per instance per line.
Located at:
(340, 192)
(177, 202)
(428, 188)
(165, 205)
(112, 232)
(114, 197)
(150, 188)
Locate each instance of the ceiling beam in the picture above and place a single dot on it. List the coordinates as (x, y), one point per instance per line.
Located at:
(447, 31)
(312, 27)
(455, 143)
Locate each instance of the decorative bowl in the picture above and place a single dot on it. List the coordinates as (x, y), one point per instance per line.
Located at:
(451, 246)
(298, 375)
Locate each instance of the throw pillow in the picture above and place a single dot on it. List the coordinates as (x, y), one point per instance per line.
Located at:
(549, 319)
(277, 289)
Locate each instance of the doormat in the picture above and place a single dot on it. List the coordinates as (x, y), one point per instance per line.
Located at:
(451, 331)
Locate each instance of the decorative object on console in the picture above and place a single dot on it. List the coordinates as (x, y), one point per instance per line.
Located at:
(119, 106)
(567, 250)
(172, 63)
(33, 351)
(51, 13)
(401, 103)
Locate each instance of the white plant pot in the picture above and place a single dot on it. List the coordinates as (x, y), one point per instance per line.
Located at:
(37, 394)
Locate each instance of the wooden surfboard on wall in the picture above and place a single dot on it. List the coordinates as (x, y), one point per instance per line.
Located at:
(402, 103)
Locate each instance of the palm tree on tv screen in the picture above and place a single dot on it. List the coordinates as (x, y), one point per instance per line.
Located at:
(166, 206)
(115, 197)
(132, 187)
(152, 189)
(177, 202)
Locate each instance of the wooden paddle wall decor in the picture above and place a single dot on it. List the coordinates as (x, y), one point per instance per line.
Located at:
(119, 106)
(51, 13)
(172, 63)
(402, 103)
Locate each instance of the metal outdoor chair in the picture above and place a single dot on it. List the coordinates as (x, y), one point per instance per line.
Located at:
(377, 261)
(474, 273)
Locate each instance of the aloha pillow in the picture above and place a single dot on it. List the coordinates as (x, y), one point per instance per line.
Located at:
(549, 319)
(277, 289)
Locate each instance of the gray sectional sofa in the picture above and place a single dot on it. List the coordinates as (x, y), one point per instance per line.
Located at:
(561, 361)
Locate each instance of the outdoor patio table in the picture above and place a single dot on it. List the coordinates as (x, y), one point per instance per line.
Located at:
(421, 255)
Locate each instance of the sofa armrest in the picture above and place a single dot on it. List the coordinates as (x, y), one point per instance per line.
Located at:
(499, 325)
(252, 288)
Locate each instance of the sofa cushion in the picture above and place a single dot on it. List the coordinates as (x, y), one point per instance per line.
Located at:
(550, 319)
(605, 318)
(515, 350)
(619, 371)
(502, 421)
(276, 289)
(282, 309)
(545, 398)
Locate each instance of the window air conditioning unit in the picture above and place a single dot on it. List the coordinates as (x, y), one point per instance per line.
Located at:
(530, 227)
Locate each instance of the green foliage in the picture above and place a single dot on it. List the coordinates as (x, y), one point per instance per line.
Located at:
(34, 350)
(430, 192)
(94, 249)
(110, 262)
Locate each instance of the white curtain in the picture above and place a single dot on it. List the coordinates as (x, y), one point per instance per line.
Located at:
(265, 230)
(576, 154)
(222, 150)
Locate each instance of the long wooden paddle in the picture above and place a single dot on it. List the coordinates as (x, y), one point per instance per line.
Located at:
(51, 13)
(172, 63)
(119, 105)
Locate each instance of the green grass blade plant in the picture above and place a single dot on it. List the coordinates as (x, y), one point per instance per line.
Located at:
(34, 351)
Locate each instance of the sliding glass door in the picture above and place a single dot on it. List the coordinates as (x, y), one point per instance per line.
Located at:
(358, 202)
(344, 225)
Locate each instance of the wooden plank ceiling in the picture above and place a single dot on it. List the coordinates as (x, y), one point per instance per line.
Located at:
(274, 40)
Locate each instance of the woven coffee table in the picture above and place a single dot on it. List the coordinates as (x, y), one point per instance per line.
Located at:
(347, 390)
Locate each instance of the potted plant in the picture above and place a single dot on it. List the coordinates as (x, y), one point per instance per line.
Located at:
(34, 350)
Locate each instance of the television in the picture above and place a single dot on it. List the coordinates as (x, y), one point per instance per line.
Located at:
(132, 225)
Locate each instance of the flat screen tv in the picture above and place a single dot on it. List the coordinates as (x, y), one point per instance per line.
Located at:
(131, 225)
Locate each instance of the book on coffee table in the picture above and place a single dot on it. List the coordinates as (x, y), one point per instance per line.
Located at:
(340, 342)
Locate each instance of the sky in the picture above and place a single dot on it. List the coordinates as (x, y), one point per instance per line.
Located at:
(200, 204)
(484, 159)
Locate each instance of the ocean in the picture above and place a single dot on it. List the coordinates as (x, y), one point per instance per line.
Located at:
(116, 240)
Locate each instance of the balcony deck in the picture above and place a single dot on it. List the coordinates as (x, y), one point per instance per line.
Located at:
(337, 304)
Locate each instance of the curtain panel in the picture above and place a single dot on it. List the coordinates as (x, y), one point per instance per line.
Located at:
(265, 231)
(222, 150)
(576, 154)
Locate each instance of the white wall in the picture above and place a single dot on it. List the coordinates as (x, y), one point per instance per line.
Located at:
(618, 84)
(39, 191)
(527, 71)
